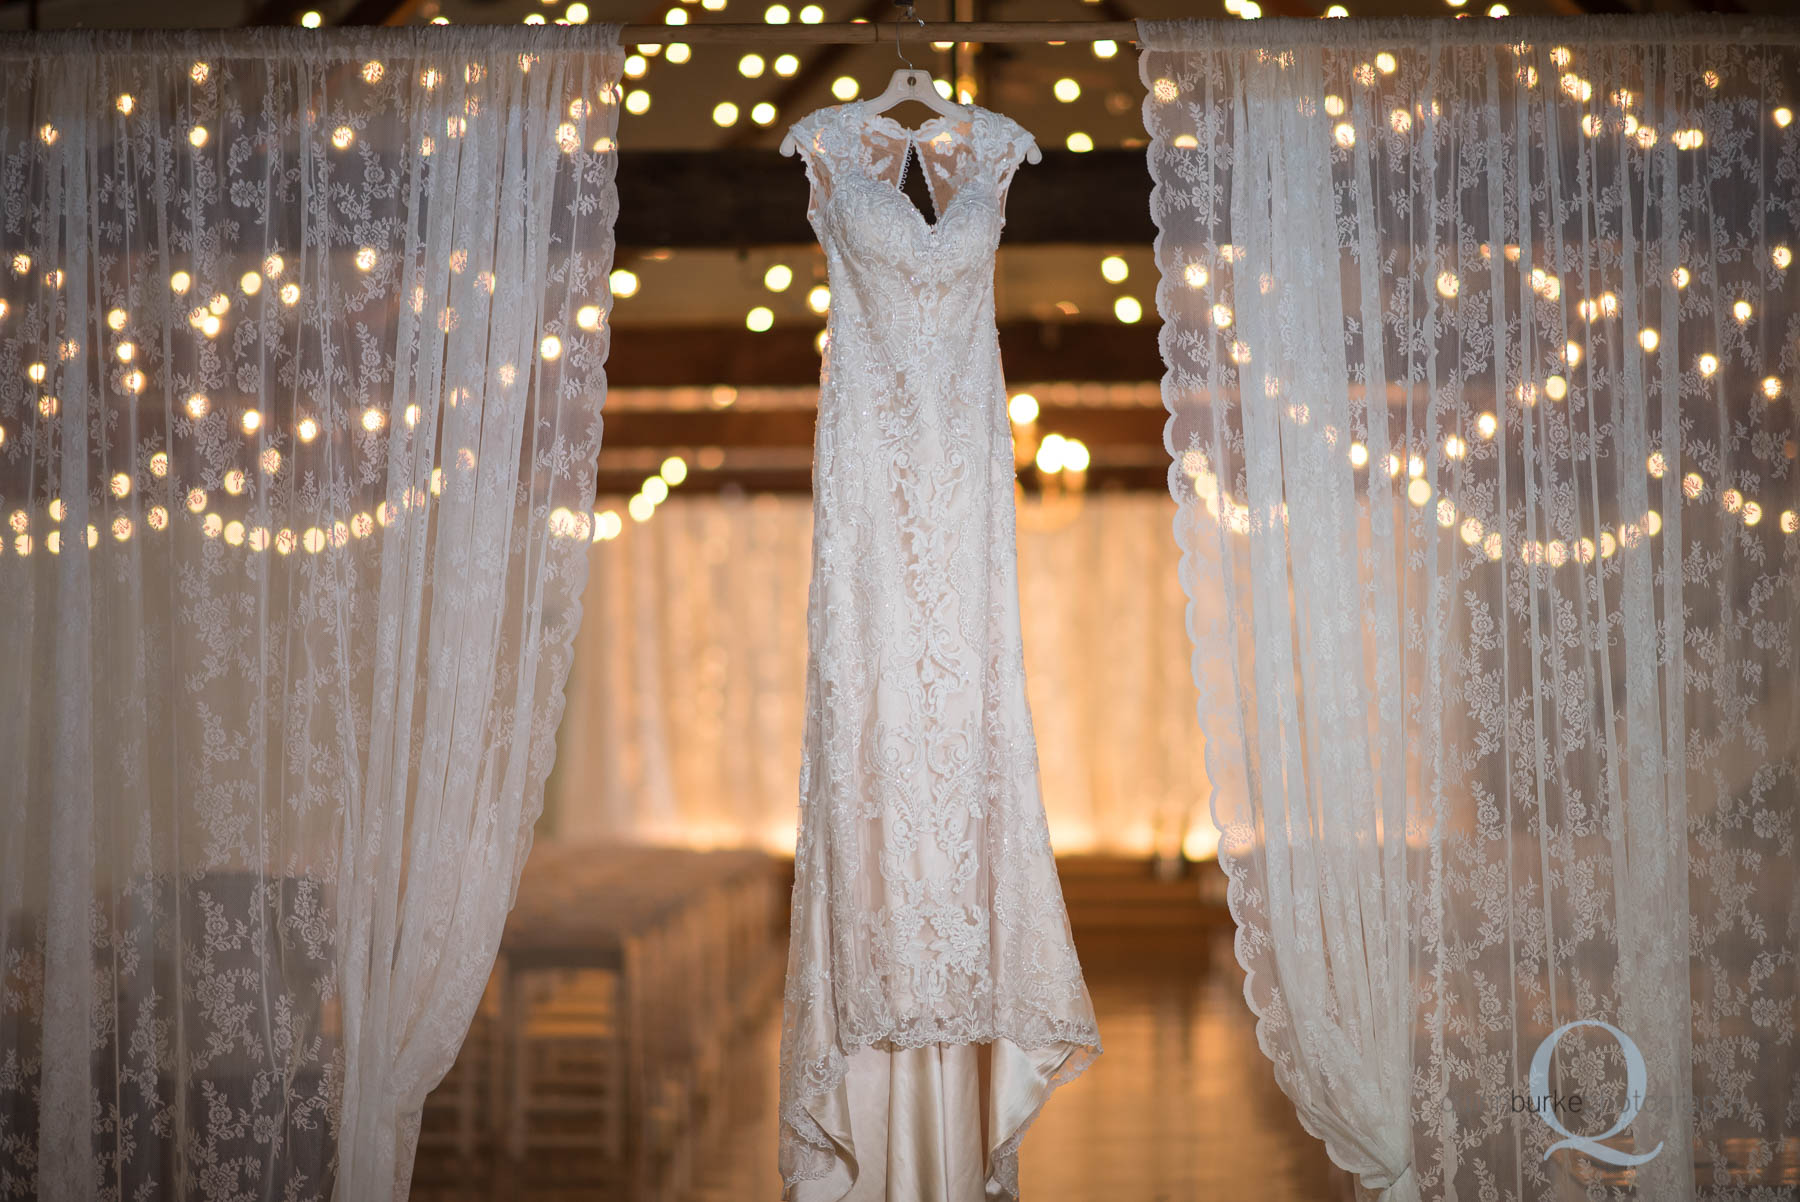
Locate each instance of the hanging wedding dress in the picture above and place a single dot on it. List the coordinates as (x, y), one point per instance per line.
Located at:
(933, 996)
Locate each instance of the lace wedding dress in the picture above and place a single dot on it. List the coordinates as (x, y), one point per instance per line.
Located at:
(933, 996)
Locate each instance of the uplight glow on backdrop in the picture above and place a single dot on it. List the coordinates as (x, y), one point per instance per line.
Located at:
(686, 699)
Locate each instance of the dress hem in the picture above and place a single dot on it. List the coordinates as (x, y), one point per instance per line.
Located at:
(801, 1126)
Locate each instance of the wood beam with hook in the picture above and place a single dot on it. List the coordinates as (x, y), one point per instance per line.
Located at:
(872, 33)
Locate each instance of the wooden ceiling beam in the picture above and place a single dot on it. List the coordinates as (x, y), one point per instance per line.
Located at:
(704, 356)
(744, 197)
(792, 429)
(613, 486)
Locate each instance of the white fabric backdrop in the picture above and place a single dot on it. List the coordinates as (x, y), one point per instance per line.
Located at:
(687, 697)
(1503, 734)
(301, 345)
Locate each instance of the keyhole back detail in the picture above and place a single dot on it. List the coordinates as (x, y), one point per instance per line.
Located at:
(915, 187)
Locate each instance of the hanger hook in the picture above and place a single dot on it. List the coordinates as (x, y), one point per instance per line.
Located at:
(899, 23)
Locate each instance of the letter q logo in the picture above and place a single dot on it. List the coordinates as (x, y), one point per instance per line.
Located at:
(1636, 1077)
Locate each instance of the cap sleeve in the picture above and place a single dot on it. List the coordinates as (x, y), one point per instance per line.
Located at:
(1012, 143)
(809, 136)
(1019, 142)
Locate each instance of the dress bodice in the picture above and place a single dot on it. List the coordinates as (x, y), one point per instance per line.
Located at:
(885, 259)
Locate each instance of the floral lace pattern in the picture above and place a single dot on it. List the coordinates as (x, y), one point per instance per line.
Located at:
(301, 346)
(926, 906)
(1482, 346)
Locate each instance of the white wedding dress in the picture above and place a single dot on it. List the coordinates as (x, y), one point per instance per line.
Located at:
(933, 995)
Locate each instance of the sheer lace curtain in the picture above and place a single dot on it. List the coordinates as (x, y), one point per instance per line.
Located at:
(690, 731)
(301, 345)
(1482, 348)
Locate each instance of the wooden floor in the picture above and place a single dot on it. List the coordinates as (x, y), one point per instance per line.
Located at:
(1182, 1107)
